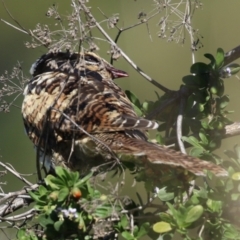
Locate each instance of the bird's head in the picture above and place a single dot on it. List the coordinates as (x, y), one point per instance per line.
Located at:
(71, 62)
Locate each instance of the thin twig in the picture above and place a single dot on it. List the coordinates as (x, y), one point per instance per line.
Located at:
(121, 30)
(179, 125)
(155, 83)
(17, 28)
(15, 173)
(21, 27)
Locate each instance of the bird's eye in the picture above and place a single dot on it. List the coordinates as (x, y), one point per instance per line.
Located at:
(91, 59)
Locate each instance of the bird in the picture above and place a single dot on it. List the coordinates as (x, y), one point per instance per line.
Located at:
(79, 118)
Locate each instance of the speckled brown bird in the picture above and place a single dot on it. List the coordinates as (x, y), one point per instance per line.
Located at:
(76, 114)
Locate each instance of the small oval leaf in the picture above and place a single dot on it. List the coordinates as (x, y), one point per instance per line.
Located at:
(164, 195)
(236, 176)
(63, 193)
(220, 57)
(57, 225)
(199, 68)
(162, 227)
(133, 98)
(194, 214)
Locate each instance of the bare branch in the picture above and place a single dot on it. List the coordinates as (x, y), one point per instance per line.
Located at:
(20, 217)
(15, 173)
(155, 83)
(232, 55)
(232, 130)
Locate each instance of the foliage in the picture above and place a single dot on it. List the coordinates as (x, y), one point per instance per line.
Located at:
(69, 207)
(72, 208)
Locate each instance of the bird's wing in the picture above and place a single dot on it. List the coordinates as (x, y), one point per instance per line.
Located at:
(89, 101)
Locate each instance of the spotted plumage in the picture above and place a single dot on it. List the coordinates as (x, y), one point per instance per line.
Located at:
(75, 113)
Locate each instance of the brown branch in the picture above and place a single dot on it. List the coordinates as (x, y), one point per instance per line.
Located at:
(232, 130)
(232, 55)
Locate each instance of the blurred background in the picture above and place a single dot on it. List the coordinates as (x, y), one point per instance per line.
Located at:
(166, 62)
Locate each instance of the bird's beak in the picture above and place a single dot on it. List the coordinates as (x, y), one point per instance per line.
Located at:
(116, 73)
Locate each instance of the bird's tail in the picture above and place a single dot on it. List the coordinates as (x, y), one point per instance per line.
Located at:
(154, 157)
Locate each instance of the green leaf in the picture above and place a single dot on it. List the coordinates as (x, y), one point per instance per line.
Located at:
(33, 236)
(237, 150)
(202, 193)
(176, 213)
(200, 68)
(135, 231)
(148, 106)
(201, 107)
(21, 234)
(203, 137)
(34, 196)
(144, 229)
(132, 97)
(60, 172)
(83, 180)
(229, 185)
(75, 176)
(211, 58)
(53, 182)
(213, 90)
(159, 138)
(191, 80)
(37, 198)
(165, 217)
(42, 190)
(194, 214)
(230, 232)
(196, 151)
(128, 236)
(45, 220)
(224, 101)
(212, 144)
(57, 225)
(235, 196)
(236, 176)
(103, 211)
(164, 195)
(26, 235)
(205, 124)
(195, 81)
(219, 58)
(221, 87)
(124, 221)
(81, 224)
(215, 206)
(192, 140)
(137, 110)
(63, 194)
(162, 227)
